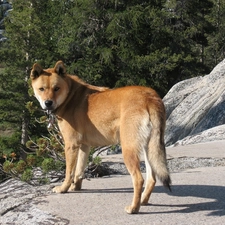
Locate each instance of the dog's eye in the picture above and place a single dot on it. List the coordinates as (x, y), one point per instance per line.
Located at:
(56, 89)
(41, 89)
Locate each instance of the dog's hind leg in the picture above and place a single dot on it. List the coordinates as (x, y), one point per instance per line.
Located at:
(132, 162)
(79, 171)
(150, 181)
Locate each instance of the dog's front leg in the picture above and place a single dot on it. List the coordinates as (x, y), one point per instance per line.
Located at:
(71, 154)
(81, 164)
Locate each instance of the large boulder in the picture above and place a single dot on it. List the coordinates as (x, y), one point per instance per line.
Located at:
(196, 105)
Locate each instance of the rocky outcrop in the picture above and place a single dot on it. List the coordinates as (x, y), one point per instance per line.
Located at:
(214, 134)
(18, 204)
(196, 105)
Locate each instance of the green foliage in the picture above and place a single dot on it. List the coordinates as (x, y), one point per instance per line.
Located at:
(47, 155)
(31, 160)
(156, 43)
(48, 165)
(27, 175)
(215, 52)
(20, 166)
(94, 159)
(8, 166)
(9, 144)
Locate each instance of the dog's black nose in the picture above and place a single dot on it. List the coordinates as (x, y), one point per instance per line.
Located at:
(48, 103)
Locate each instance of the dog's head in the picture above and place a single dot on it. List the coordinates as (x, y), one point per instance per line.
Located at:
(50, 85)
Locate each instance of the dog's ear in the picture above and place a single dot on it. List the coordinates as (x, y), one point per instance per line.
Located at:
(36, 71)
(60, 69)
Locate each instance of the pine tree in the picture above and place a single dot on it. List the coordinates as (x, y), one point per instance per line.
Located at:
(111, 42)
(28, 29)
(153, 43)
(215, 52)
(31, 38)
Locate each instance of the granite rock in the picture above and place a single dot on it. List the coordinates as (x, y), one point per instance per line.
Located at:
(18, 204)
(196, 105)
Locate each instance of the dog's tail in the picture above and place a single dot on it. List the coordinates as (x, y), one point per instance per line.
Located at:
(156, 147)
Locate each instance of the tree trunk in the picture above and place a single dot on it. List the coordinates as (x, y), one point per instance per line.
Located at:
(24, 135)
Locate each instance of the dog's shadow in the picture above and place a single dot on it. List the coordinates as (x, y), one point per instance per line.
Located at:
(215, 195)
(215, 204)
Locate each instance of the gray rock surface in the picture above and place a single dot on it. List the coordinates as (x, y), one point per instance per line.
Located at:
(214, 134)
(193, 168)
(195, 105)
(18, 204)
(197, 173)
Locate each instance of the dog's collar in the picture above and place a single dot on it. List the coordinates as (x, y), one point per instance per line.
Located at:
(50, 119)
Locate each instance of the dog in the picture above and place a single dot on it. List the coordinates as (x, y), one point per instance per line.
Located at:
(89, 116)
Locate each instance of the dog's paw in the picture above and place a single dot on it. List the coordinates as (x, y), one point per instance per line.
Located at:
(72, 187)
(59, 189)
(144, 202)
(131, 209)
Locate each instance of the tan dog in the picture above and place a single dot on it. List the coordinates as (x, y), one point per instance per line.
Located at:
(95, 116)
